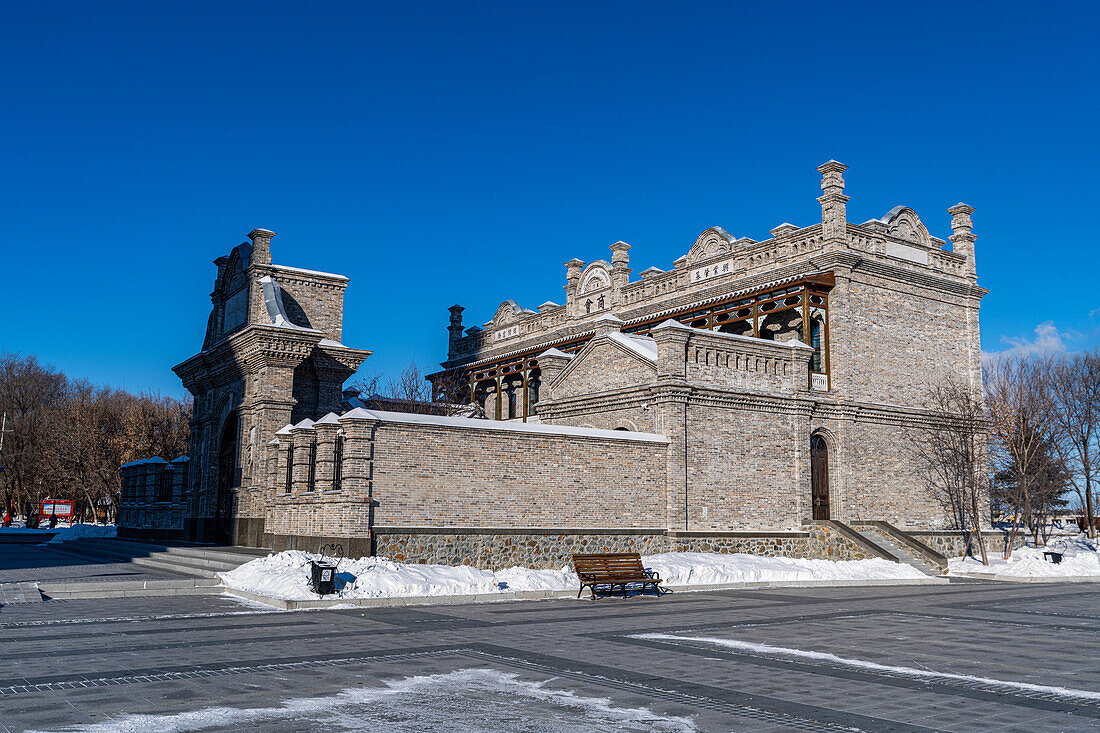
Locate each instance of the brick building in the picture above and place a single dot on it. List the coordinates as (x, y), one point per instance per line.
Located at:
(154, 498)
(730, 402)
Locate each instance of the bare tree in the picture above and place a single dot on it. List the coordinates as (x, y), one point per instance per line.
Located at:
(31, 395)
(951, 445)
(1022, 423)
(1047, 482)
(67, 439)
(1075, 387)
(410, 391)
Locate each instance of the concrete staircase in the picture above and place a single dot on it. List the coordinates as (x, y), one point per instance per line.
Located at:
(190, 569)
(902, 547)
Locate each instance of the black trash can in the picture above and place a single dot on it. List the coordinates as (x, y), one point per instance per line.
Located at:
(323, 577)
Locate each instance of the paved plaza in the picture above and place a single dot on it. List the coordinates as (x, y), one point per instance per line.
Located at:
(957, 657)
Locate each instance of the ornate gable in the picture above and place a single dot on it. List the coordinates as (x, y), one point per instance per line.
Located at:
(903, 223)
(711, 242)
(595, 277)
(508, 312)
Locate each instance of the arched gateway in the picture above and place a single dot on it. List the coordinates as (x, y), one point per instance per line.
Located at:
(227, 479)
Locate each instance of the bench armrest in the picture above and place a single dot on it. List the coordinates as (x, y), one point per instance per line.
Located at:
(652, 573)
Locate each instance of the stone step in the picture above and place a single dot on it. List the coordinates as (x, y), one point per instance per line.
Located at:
(180, 567)
(209, 563)
(877, 533)
(128, 588)
(238, 555)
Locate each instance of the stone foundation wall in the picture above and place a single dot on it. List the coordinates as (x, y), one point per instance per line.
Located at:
(543, 549)
(954, 543)
(551, 549)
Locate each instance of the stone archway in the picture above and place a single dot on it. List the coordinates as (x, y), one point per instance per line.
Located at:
(819, 476)
(228, 471)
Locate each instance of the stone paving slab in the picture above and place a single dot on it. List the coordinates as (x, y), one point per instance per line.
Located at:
(19, 593)
(40, 563)
(75, 662)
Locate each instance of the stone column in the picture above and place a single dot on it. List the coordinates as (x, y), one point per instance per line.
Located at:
(454, 330)
(672, 396)
(572, 279)
(303, 439)
(261, 246)
(552, 362)
(326, 430)
(607, 323)
(671, 337)
(962, 236)
(962, 243)
(620, 267)
(834, 214)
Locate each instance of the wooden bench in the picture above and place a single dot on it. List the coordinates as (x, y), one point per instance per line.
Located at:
(613, 569)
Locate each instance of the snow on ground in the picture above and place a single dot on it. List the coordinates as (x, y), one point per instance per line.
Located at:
(702, 568)
(286, 575)
(1080, 558)
(83, 531)
(63, 532)
(769, 649)
(465, 699)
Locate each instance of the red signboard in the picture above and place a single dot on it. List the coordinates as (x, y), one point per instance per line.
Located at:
(61, 508)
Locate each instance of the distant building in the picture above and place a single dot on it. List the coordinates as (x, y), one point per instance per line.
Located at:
(154, 502)
(749, 398)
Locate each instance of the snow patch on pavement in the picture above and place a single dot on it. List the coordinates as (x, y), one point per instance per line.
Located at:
(83, 531)
(863, 664)
(463, 700)
(1080, 559)
(285, 575)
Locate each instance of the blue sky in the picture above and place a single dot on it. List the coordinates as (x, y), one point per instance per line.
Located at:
(461, 153)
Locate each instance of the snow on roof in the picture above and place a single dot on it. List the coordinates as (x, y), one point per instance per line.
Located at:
(181, 459)
(144, 462)
(329, 342)
(285, 430)
(281, 322)
(549, 304)
(273, 301)
(307, 423)
(554, 352)
(651, 271)
(608, 317)
(330, 419)
(643, 346)
(286, 268)
(500, 425)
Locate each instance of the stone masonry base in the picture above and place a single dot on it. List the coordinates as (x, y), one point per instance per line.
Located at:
(493, 548)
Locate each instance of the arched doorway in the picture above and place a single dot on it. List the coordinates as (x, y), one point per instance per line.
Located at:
(819, 476)
(227, 479)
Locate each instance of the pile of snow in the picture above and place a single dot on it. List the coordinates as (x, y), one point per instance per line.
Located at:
(83, 531)
(1080, 558)
(286, 575)
(703, 568)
